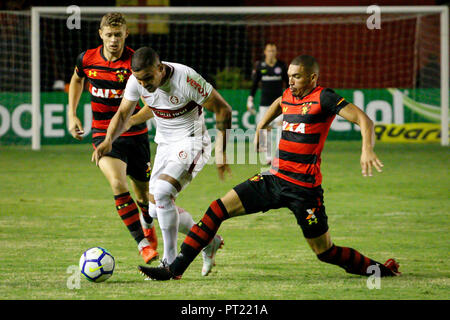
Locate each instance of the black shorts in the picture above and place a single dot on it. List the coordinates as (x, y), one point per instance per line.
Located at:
(134, 151)
(266, 191)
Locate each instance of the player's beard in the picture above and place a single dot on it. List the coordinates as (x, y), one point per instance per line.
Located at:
(294, 92)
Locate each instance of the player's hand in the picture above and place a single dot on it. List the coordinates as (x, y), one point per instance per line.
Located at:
(252, 111)
(102, 149)
(251, 105)
(368, 160)
(76, 128)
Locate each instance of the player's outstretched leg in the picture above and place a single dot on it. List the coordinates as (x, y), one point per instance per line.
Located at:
(208, 252)
(354, 262)
(199, 237)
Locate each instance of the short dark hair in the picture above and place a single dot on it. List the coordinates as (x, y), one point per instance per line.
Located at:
(308, 62)
(143, 58)
(113, 19)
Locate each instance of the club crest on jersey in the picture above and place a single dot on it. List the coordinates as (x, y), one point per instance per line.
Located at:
(122, 75)
(305, 109)
(277, 70)
(174, 99)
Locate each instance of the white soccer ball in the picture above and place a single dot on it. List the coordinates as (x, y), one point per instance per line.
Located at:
(97, 264)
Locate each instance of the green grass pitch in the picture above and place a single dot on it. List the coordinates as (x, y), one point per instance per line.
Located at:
(55, 204)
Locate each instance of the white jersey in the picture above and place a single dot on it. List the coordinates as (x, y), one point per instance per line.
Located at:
(176, 104)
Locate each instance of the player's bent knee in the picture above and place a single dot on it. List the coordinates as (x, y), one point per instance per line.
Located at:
(233, 204)
(152, 210)
(118, 185)
(165, 208)
(164, 191)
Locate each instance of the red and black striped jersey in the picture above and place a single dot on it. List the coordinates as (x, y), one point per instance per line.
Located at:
(107, 81)
(306, 122)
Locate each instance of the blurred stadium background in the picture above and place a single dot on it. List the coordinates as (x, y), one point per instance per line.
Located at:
(393, 73)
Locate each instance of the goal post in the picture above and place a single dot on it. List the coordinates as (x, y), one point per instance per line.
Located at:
(286, 21)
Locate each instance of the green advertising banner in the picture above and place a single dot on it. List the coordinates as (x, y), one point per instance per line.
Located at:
(391, 109)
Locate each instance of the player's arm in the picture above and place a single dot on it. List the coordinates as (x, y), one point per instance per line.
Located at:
(256, 78)
(368, 157)
(217, 104)
(273, 112)
(75, 90)
(142, 116)
(116, 127)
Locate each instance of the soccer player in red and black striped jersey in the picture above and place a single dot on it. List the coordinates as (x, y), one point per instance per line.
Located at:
(294, 181)
(107, 69)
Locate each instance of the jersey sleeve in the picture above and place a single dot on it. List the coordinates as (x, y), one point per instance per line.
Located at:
(79, 65)
(331, 102)
(197, 88)
(132, 90)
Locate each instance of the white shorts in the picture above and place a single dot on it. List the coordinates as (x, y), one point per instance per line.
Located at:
(181, 160)
(262, 111)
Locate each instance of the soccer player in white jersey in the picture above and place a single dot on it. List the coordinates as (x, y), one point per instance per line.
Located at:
(176, 95)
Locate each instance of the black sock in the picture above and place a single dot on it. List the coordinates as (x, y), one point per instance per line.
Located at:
(199, 236)
(352, 261)
(144, 209)
(129, 213)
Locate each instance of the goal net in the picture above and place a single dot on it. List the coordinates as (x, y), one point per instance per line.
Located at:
(392, 70)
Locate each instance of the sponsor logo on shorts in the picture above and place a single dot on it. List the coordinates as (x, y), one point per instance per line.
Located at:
(256, 178)
(182, 155)
(311, 216)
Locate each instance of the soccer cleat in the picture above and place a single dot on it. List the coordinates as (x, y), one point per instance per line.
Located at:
(161, 273)
(209, 254)
(393, 265)
(150, 235)
(149, 254)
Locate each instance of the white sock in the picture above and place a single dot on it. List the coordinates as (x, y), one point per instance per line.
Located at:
(167, 217)
(186, 221)
(143, 243)
(185, 218)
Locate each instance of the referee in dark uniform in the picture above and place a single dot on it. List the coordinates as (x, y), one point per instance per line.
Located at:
(272, 74)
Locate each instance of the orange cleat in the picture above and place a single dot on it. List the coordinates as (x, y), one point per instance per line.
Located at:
(150, 235)
(149, 254)
(393, 265)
